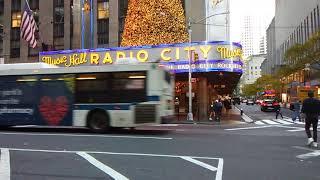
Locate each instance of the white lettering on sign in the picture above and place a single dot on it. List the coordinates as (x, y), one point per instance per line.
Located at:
(13, 92)
(16, 110)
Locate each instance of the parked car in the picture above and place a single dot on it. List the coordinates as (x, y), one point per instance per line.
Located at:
(250, 102)
(244, 100)
(269, 105)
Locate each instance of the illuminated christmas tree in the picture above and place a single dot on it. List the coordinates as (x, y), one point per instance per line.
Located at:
(152, 22)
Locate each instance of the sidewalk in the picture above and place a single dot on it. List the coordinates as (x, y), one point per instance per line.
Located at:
(232, 116)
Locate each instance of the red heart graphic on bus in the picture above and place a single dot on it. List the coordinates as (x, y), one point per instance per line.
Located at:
(53, 110)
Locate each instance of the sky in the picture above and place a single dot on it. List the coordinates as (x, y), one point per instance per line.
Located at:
(240, 8)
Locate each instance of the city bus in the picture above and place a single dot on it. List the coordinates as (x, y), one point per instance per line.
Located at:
(96, 97)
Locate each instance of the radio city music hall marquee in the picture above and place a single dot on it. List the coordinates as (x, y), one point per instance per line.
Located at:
(212, 56)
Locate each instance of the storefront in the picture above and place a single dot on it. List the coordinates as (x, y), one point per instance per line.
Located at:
(216, 67)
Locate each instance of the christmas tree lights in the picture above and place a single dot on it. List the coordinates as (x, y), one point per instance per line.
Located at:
(153, 22)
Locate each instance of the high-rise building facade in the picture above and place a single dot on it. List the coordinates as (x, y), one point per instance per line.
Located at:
(295, 22)
(253, 68)
(75, 24)
(253, 30)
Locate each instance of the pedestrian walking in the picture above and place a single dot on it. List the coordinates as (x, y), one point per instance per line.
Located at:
(217, 110)
(211, 111)
(227, 105)
(296, 107)
(311, 109)
(278, 110)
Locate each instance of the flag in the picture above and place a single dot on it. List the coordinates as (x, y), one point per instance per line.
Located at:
(28, 26)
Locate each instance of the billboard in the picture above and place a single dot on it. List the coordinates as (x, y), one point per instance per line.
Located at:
(212, 56)
(218, 21)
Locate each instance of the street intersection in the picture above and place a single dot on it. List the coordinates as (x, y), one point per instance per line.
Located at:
(232, 151)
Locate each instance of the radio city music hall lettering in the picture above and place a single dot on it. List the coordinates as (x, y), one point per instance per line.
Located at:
(143, 55)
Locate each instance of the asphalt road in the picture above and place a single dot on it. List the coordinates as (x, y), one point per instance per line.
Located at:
(236, 151)
(256, 114)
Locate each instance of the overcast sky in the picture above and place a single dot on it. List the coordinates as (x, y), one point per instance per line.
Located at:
(240, 8)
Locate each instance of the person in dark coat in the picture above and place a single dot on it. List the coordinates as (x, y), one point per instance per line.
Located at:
(278, 110)
(217, 107)
(296, 107)
(311, 108)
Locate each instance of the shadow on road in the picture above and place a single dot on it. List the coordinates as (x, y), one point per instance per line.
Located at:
(71, 130)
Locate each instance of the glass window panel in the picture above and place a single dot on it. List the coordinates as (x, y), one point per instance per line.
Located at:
(103, 10)
(16, 19)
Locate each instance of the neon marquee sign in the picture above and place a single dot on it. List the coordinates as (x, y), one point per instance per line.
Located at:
(213, 56)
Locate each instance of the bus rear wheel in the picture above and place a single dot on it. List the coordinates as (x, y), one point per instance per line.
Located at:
(98, 121)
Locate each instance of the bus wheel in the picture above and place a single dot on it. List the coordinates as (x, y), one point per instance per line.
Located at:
(98, 121)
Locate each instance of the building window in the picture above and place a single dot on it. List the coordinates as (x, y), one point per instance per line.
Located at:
(311, 22)
(308, 30)
(58, 24)
(315, 20)
(1, 28)
(123, 8)
(71, 22)
(15, 28)
(58, 19)
(1, 9)
(34, 5)
(103, 22)
(103, 9)
(16, 5)
(318, 18)
(15, 19)
(15, 43)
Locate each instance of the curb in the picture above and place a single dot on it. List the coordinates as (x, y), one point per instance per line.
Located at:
(244, 117)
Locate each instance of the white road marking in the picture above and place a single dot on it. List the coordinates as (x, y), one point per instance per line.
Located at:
(269, 122)
(247, 128)
(207, 166)
(167, 125)
(110, 153)
(303, 148)
(247, 118)
(85, 135)
(296, 130)
(300, 129)
(284, 126)
(298, 122)
(197, 162)
(5, 164)
(290, 120)
(259, 123)
(106, 169)
(220, 169)
(282, 121)
(315, 153)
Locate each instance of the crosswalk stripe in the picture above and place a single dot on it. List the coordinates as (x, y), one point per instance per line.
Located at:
(269, 121)
(259, 123)
(290, 120)
(282, 121)
(287, 119)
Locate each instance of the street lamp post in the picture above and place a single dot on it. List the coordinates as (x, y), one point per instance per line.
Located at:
(190, 114)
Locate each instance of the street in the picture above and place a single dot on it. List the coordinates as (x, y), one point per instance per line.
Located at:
(237, 151)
